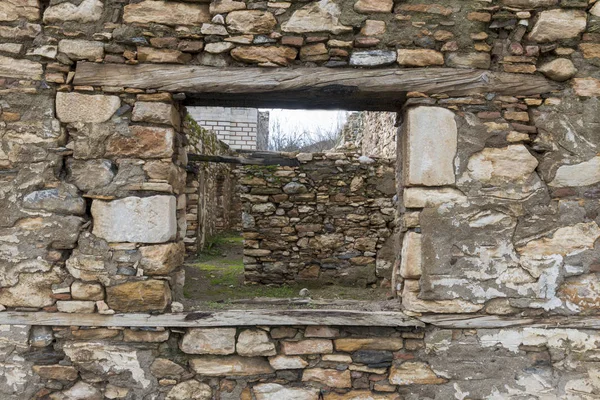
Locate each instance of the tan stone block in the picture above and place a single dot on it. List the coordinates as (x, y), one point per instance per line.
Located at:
(168, 56)
(164, 368)
(13, 10)
(166, 13)
(162, 259)
(143, 142)
(590, 50)
(425, 8)
(419, 57)
(140, 336)
(410, 265)
(255, 342)
(414, 373)
(251, 22)
(588, 87)
(558, 24)
(316, 17)
(287, 362)
(350, 345)
(225, 6)
(87, 291)
(281, 55)
(77, 107)
(373, 6)
(156, 113)
(56, 372)
(95, 334)
(77, 49)
(219, 341)
(411, 302)
(309, 346)
(373, 28)
(328, 377)
(192, 390)
(559, 70)
(275, 391)
(150, 295)
(230, 366)
(321, 332)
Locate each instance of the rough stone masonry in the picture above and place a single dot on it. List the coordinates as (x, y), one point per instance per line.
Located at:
(498, 272)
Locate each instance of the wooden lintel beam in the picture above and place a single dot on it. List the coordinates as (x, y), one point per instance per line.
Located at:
(383, 88)
(283, 161)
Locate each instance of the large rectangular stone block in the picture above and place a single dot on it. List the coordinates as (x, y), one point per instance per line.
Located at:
(430, 148)
(135, 219)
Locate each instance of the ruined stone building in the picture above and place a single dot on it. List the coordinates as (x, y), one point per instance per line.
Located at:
(481, 220)
(240, 128)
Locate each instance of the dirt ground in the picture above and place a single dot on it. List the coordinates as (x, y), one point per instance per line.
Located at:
(215, 280)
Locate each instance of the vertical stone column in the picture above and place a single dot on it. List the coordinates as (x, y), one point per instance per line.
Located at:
(428, 148)
(128, 160)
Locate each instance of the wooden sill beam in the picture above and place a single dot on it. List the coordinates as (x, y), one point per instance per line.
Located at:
(215, 319)
(275, 160)
(382, 89)
(232, 318)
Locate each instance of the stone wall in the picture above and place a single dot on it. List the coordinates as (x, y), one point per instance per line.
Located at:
(378, 134)
(237, 127)
(297, 363)
(499, 202)
(330, 220)
(213, 204)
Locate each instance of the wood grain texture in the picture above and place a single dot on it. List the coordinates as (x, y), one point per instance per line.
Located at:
(283, 161)
(376, 89)
(215, 319)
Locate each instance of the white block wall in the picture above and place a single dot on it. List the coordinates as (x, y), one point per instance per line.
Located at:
(238, 127)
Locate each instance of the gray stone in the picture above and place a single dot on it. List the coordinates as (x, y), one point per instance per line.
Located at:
(559, 24)
(275, 391)
(322, 16)
(134, 219)
(190, 390)
(112, 361)
(86, 11)
(77, 107)
(164, 368)
(90, 174)
(295, 188)
(255, 342)
(79, 391)
(287, 362)
(63, 200)
(431, 144)
(76, 306)
(219, 341)
(372, 357)
(372, 58)
(581, 174)
(77, 49)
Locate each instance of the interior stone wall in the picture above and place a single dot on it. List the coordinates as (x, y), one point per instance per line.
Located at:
(213, 204)
(328, 221)
(501, 222)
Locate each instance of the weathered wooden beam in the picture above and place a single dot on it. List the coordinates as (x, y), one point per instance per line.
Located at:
(215, 319)
(366, 89)
(466, 321)
(283, 161)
